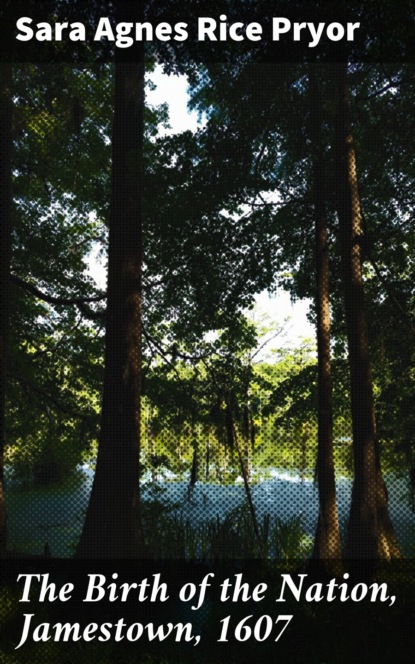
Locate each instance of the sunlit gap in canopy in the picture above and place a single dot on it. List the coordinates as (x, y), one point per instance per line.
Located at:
(275, 307)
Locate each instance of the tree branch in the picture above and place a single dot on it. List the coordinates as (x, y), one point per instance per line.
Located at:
(80, 302)
(48, 397)
(51, 299)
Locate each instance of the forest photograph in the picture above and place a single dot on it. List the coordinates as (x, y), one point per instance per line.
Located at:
(150, 412)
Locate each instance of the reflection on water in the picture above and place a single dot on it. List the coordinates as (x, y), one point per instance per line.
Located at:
(55, 514)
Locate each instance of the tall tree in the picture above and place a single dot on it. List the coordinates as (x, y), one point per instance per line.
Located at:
(113, 525)
(370, 531)
(54, 348)
(5, 254)
(327, 539)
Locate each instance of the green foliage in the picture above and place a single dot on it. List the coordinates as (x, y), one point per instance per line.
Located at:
(227, 213)
(289, 541)
(170, 535)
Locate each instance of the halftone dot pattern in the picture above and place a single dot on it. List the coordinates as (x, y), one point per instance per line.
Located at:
(236, 476)
(206, 493)
(57, 320)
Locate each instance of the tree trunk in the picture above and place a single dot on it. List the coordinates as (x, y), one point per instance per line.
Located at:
(327, 544)
(248, 447)
(370, 533)
(242, 465)
(113, 526)
(5, 255)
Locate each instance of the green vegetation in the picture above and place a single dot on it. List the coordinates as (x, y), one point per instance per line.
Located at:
(162, 371)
